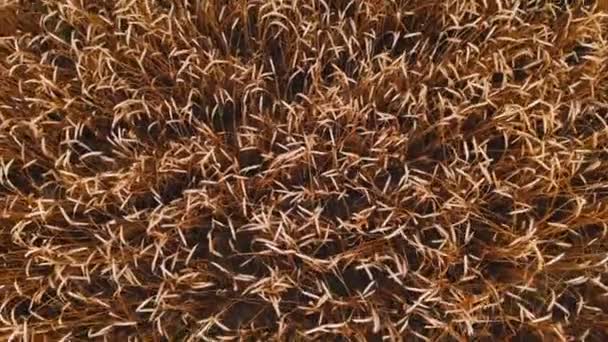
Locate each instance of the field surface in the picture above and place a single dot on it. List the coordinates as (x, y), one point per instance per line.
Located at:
(295, 170)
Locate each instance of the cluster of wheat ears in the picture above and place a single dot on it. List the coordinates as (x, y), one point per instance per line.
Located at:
(303, 170)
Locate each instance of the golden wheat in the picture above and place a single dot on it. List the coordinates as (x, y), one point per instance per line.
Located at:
(303, 170)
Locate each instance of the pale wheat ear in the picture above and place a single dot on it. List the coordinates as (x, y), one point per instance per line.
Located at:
(303, 170)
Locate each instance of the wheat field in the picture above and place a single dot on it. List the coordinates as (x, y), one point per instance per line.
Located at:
(303, 170)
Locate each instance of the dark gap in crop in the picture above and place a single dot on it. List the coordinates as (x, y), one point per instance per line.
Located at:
(238, 41)
(163, 80)
(412, 57)
(96, 135)
(540, 130)
(355, 143)
(100, 7)
(253, 22)
(344, 63)
(178, 130)
(419, 146)
(55, 116)
(474, 287)
(328, 249)
(418, 324)
(499, 330)
(473, 121)
(497, 79)
(98, 286)
(64, 62)
(430, 237)
(327, 73)
(525, 334)
(455, 272)
(373, 336)
(440, 48)
(249, 158)
(63, 30)
(243, 313)
(249, 265)
(100, 217)
(345, 7)
(352, 281)
(497, 147)
(427, 158)
(21, 182)
(143, 201)
(304, 319)
(173, 188)
(586, 123)
(583, 234)
(299, 83)
(220, 240)
(274, 46)
(422, 206)
(520, 73)
(501, 271)
(394, 43)
(598, 335)
(552, 208)
(244, 242)
(53, 190)
(404, 45)
(579, 51)
(123, 333)
(342, 208)
(500, 207)
(50, 309)
(197, 109)
(394, 172)
(568, 301)
(384, 42)
(226, 117)
(198, 236)
(299, 175)
(347, 65)
(133, 233)
(164, 4)
(22, 308)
